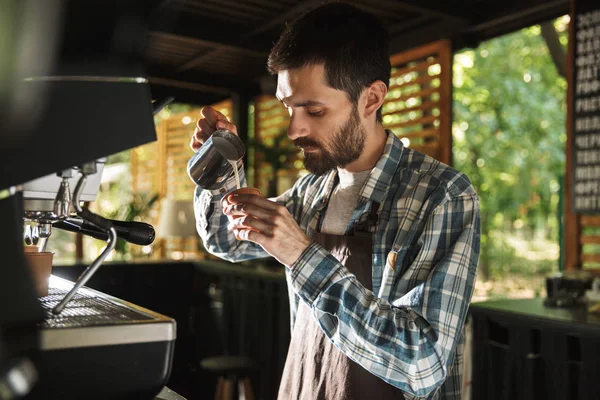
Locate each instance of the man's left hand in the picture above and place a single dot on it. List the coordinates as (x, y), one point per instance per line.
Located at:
(268, 224)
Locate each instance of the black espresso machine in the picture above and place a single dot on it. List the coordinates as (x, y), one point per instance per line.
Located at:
(72, 92)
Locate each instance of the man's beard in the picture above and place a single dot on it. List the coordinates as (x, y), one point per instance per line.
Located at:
(346, 145)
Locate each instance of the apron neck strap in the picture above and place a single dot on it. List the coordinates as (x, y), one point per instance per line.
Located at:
(365, 226)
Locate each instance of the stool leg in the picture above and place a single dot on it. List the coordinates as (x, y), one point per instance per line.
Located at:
(227, 390)
(220, 388)
(246, 389)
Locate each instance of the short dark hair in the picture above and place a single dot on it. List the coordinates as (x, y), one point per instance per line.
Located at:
(352, 45)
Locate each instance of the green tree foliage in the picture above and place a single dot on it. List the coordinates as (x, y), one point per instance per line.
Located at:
(509, 138)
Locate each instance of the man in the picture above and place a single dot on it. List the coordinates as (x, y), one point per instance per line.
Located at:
(380, 243)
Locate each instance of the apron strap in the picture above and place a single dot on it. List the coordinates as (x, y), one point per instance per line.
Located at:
(364, 228)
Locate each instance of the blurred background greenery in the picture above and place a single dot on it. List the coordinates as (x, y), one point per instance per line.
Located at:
(509, 137)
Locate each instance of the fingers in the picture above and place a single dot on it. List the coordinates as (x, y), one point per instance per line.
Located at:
(194, 144)
(248, 209)
(201, 134)
(211, 116)
(254, 199)
(249, 223)
(225, 202)
(228, 199)
(204, 128)
(217, 120)
(227, 125)
(252, 236)
(198, 138)
(211, 121)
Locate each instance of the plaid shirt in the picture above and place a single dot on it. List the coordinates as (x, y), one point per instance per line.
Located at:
(409, 330)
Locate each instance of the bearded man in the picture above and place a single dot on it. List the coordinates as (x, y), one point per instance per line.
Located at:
(380, 243)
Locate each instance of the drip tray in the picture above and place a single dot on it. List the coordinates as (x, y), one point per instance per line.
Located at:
(86, 310)
(94, 318)
(101, 347)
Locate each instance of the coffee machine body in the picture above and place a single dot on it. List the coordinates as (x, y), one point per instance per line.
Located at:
(75, 92)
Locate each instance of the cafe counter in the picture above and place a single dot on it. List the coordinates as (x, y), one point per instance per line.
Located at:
(523, 349)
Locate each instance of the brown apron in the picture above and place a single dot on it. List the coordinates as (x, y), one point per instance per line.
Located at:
(315, 369)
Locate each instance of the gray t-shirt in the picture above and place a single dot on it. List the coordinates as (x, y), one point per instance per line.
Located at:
(343, 201)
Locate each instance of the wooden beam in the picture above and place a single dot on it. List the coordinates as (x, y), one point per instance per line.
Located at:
(590, 220)
(590, 258)
(409, 24)
(291, 13)
(199, 87)
(425, 35)
(214, 32)
(504, 19)
(185, 95)
(555, 47)
(200, 59)
(589, 239)
(438, 9)
(201, 42)
(445, 106)
(216, 83)
(240, 105)
(572, 221)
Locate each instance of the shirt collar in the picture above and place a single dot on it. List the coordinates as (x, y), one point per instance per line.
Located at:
(377, 185)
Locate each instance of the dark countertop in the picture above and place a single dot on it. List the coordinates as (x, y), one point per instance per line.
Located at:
(535, 308)
(252, 268)
(263, 268)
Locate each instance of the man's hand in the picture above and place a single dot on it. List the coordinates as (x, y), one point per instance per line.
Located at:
(211, 121)
(267, 223)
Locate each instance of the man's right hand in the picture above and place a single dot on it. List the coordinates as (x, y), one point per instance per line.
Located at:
(211, 121)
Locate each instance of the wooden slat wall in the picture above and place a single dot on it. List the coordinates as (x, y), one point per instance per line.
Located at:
(270, 120)
(418, 106)
(589, 242)
(178, 129)
(145, 162)
(176, 147)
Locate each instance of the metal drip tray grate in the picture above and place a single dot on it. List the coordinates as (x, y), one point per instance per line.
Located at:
(86, 310)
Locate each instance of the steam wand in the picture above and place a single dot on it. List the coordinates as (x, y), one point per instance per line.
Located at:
(100, 223)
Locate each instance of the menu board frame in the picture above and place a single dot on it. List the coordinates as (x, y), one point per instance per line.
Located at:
(585, 107)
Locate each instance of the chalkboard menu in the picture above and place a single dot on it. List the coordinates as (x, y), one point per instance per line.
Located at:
(585, 89)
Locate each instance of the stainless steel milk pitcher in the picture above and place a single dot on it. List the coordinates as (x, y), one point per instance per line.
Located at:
(211, 166)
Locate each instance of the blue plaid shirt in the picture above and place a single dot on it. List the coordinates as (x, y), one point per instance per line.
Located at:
(409, 329)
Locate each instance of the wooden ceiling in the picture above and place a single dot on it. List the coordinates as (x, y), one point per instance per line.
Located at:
(202, 51)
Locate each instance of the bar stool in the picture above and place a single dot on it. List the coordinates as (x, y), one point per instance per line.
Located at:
(234, 376)
(234, 366)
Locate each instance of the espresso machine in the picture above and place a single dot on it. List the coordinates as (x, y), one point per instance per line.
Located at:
(128, 348)
(72, 92)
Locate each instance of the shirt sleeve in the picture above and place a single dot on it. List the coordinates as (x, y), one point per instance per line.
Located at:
(211, 224)
(407, 339)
